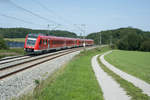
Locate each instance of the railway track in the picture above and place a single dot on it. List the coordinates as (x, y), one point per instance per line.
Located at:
(16, 58)
(16, 68)
(12, 59)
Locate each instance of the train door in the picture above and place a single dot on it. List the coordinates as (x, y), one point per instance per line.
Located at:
(40, 44)
(44, 43)
(65, 43)
(48, 44)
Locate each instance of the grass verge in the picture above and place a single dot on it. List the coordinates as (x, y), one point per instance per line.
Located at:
(74, 81)
(15, 39)
(133, 91)
(128, 61)
(11, 52)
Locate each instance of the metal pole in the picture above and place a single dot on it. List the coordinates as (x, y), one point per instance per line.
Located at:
(80, 35)
(84, 26)
(48, 30)
(100, 39)
(110, 40)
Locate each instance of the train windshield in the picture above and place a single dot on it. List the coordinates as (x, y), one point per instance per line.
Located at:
(31, 42)
(32, 39)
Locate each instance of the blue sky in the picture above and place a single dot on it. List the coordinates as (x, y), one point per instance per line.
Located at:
(97, 15)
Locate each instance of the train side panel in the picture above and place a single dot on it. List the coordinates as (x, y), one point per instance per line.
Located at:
(39, 43)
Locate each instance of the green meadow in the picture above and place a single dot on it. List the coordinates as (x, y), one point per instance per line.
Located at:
(133, 62)
(15, 39)
(11, 52)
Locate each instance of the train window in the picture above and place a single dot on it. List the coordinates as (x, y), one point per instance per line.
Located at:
(31, 42)
(40, 42)
(61, 42)
(53, 42)
(48, 41)
(70, 42)
(45, 42)
(58, 42)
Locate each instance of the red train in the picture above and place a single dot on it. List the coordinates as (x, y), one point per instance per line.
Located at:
(38, 43)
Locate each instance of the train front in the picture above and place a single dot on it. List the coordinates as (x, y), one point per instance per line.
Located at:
(30, 45)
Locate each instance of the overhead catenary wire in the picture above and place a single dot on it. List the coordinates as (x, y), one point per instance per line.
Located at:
(57, 15)
(18, 19)
(55, 23)
(15, 18)
(35, 14)
(50, 11)
(32, 13)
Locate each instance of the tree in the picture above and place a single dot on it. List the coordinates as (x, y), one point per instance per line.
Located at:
(124, 38)
(122, 44)
(94, 36)
(22, 32)
(133, 41)
(145, 46)
(2, 43)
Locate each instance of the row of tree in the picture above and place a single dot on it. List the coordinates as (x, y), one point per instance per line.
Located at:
(124, 38)
(22, 32)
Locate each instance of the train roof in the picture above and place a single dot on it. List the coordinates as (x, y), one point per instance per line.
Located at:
(55, 37)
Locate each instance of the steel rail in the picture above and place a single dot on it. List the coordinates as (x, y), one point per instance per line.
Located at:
(53, 56)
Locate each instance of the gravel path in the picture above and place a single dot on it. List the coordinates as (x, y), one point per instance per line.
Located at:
(136, 81)
(111, 89)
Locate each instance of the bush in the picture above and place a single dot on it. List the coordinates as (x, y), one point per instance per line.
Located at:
(131, 41)
(113, 46)
(2, 43)
(122, 44)
(145, 46)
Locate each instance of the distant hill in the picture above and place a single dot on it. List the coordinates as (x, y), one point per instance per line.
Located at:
(22, 32)
(116, 34)
(124, 38)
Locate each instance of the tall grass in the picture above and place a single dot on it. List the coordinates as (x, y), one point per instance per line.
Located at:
(11, 52)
